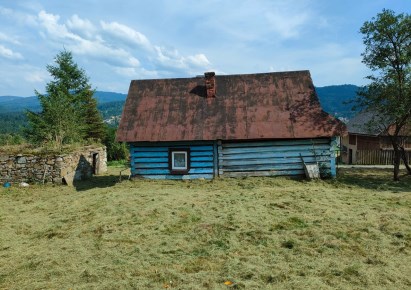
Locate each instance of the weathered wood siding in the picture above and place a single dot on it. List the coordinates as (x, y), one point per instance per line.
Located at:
(275, 158)
(378, 157)
(150, 160)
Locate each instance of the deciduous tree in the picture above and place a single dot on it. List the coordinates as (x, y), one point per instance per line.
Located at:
(387, 40)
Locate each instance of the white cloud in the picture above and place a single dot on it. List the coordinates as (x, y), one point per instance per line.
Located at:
(129, 72)
(36, 76)
(81, 26)
(7, 38)
(97, 50)
(170, 58)
(286, 25)
(18, 17)
(106, 44)
(110, 51)
(109, 45)
(8, 53)
(126, 34)
(51, 23)
(198, 60)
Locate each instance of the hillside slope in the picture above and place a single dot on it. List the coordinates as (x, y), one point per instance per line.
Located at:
(334, 99)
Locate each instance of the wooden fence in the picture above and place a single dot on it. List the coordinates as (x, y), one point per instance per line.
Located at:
(380, 157)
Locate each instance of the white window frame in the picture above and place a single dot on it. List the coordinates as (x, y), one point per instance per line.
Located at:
(172, 160)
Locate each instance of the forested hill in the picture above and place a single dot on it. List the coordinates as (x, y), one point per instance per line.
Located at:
(333, 100)
(19, 104)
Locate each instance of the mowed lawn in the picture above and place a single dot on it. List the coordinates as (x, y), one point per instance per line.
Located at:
(252, 233)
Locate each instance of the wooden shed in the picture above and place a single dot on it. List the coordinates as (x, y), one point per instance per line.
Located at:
(369, 143)
(227, 126)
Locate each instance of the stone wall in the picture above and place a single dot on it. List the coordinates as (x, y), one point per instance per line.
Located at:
(64, 168)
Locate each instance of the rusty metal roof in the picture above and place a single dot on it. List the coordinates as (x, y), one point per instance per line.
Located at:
(249, 106)
(363, 124)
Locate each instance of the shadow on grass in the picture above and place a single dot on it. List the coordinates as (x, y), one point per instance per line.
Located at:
(110, 178)
(103, 181)
(378, 179)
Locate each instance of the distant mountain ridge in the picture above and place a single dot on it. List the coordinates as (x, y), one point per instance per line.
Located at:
(4, 99)
(17, 104)
(332, 98)
(335, 99)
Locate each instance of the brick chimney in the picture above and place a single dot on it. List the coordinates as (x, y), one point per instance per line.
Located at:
(210, 84)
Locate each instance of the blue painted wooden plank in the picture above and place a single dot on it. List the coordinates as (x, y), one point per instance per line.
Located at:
(149, 154)
(201, 158)
(260, 161)
(274, 149)
(151, 160)
(131, 163)
(277, 143)
(172, 143)
(201, 164)
(259, 155)
(215, 159)
(165, 148)
(263, 167)
(138, 165)
(162, 147)
(150, 149)
(265, 173)
(151, 171)
(201, 170)
(202, 153)
(178, 177)
(201, 148)
(333, 169)
(165, 171)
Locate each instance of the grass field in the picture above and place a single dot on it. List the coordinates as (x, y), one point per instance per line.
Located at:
(253, 233)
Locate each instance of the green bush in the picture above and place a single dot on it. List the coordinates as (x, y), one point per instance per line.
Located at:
(115, 150)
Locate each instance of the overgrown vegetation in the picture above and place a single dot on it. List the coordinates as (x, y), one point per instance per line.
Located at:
(253, 233)
(115, 150)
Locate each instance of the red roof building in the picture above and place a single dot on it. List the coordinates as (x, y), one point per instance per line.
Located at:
(227, 110)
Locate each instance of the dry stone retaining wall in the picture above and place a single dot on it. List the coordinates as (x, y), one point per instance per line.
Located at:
(64, 168)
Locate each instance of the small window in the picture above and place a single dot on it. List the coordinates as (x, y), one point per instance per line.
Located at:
(179, 160)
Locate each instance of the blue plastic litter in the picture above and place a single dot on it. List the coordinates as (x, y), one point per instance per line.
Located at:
(7, 184)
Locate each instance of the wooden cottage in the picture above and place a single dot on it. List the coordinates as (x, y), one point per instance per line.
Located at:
(368, 143)
(227, 126)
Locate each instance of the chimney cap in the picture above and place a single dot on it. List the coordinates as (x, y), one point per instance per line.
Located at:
(209, 74)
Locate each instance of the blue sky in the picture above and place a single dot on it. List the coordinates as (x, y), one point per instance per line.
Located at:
(117, 41)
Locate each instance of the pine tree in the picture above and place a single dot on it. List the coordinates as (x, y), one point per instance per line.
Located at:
(69, 111)
(95, 128)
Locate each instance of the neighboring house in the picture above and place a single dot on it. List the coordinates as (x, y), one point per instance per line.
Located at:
(227, 126)
(368, 143)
